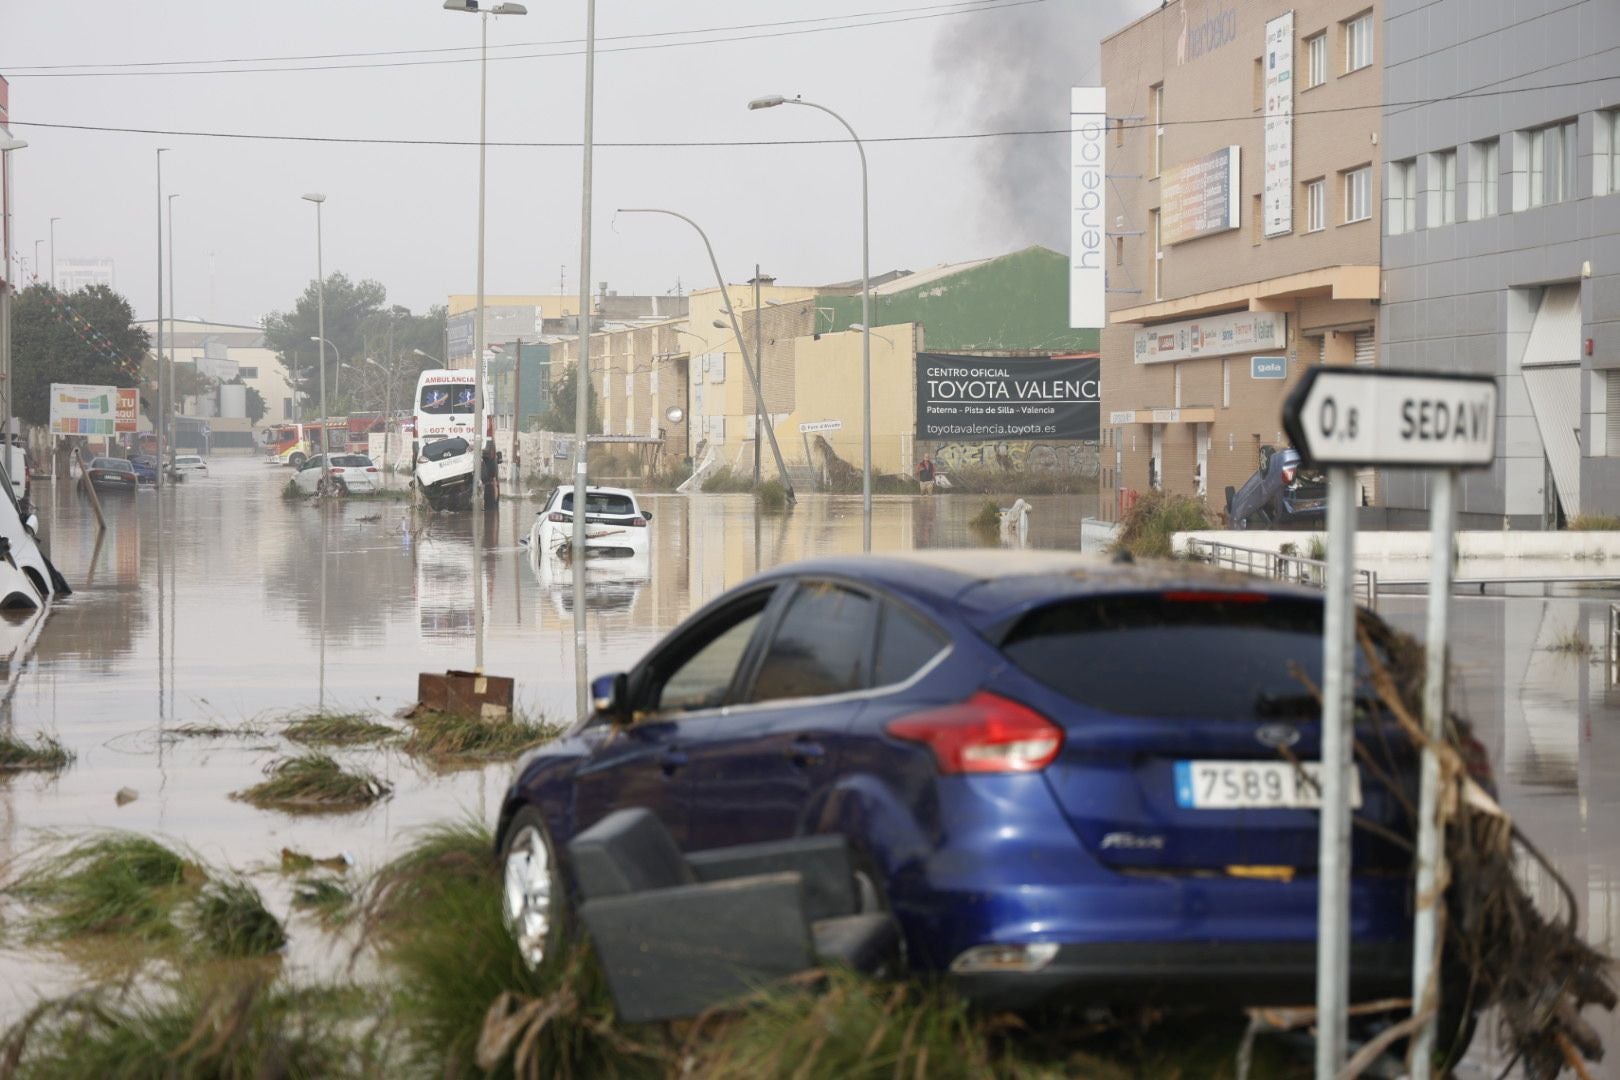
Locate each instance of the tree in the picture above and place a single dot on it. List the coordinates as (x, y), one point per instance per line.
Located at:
(349, 305)
(85, 337)
(256, 407)
(560, 412)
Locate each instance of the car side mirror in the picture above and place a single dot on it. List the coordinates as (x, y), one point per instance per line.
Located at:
(610, 697)
(646, 515)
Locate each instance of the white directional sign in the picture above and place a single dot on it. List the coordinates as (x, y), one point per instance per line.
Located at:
(1362, 416)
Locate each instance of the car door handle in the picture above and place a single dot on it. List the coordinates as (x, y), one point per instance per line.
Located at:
(804, 752)
(670, 760)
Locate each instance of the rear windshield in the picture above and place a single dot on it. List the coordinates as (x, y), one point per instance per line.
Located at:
(352, 461)
(443, 398)
(601, 503)
(108, 464)
(1176, 655)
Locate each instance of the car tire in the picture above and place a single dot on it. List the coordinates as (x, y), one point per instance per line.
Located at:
(533, 903)
(297, 461)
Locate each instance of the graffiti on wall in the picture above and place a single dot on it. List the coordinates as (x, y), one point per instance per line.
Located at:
(1020, 456)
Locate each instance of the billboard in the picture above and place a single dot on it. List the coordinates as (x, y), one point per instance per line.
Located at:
(1007, 397)
(459, 336)
(1212, 335)
(1088, 140)
(1277, 205)
(1199, 197)
(93, 410)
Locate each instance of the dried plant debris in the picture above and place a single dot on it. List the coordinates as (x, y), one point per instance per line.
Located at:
(448, 738)
(1535, 972)
(328, 899)
(44, 754)
(337, 729)
(297, 862)
(314, 783)
(112, 883)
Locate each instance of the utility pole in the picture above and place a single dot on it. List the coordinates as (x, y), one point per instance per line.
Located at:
(759, 357)
(517, 420)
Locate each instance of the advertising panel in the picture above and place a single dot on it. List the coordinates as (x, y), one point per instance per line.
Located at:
(1212, 335)
(1199, 197)
(77, 409)
(1278, 201)
(1088, 140)
(459, 330)
(979, 397)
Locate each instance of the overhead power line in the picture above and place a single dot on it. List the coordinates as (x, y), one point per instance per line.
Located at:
(745, 143)
(963, 7)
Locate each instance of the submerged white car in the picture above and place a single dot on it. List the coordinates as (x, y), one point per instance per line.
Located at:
(615, 526)
(352, 474)
(190, 463)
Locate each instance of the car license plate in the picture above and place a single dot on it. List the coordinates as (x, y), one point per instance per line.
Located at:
(1254, 785)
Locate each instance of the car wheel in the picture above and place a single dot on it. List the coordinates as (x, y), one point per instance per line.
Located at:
(532, 900)
(296, 461)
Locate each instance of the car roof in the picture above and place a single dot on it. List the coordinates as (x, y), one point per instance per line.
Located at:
(988, 587)
(592, 489)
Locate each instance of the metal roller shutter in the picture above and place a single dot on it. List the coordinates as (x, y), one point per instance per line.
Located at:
(1366, 349)
(1611, 414)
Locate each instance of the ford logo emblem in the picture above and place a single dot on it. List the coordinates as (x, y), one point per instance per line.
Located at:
(1277, 736)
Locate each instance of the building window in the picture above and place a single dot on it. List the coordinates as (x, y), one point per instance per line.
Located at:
(1316, 204)
(1257, 227)
(1607, 152)
(1611, 418)
(248, 372)
(1226, 384)
(1484, 171)
(1258, 100)
(1401, 213)
(1156, 118)
(1552, 163)
(1443, 188)
(1158, 256)
(1316, 60)
(1358, 42)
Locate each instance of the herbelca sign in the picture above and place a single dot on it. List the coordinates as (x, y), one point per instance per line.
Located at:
(1007, 397)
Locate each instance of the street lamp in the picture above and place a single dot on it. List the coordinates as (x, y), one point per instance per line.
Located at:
(54, 220)
(428, 356)
(168, 419)
(338, 375)
(388, 413)
(742, 346)
(471, 7)
(770, 102)
(320, 333)
(163, 400)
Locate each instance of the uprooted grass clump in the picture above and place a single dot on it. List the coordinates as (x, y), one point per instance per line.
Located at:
(230, 917)
(771, 497)
(1594, 523)
(727, 481)
(247, 1025)
(329, 899)
(450, 737)
(44, 754)
(1148, 528)
(464, 1000)
(986, 524)
(111, 884)
(314, 783)
(336, 729)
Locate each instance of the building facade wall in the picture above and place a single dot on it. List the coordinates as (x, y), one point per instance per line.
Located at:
(1185, 82)
(1464, 283)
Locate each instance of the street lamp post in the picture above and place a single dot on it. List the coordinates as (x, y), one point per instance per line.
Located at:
(771, 102)
(337, 377)
(320, 333)
(162, 392)
(742, 346)
(582, 381)
(54, 220)
(388, 412)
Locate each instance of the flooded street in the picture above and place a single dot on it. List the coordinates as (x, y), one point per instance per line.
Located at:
(223, 622)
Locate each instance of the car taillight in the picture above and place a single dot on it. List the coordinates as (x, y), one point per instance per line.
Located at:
(371, 468)
(334, 472)
(1288, 474)
(557, 515)
(986, 733)
(637, 523)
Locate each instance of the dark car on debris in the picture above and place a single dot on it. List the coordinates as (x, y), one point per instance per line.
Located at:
(112, 474)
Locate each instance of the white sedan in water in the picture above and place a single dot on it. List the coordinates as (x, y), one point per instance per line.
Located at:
(615, 526)
(352, 474)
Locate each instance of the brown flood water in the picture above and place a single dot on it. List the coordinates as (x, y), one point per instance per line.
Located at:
(228, 625)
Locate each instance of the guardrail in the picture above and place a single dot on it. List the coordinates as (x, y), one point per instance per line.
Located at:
(1277, 566)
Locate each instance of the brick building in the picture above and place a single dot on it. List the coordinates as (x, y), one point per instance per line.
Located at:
(1243, 221)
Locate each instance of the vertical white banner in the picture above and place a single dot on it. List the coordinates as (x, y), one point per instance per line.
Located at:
(1279, 163)
(1088, 182)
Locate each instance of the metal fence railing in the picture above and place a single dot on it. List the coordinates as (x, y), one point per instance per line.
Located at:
(1278, 566)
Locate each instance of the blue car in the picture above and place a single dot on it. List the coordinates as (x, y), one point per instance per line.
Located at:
(145, 468)
(1067, 779)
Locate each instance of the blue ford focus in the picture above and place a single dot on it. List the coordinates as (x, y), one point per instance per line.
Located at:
(1066, 779)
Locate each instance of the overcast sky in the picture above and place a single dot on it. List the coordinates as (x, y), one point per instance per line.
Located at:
(406, 215)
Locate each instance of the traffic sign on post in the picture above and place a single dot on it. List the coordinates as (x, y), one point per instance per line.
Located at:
(1344, 419)
(1364, 416)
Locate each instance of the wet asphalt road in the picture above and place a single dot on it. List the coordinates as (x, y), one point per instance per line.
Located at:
(223, 622)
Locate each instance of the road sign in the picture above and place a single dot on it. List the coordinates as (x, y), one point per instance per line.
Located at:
(821, 425)
(1268, 367)
(1400, 419)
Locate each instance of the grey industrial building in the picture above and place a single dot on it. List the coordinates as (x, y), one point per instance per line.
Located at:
(1501, 248)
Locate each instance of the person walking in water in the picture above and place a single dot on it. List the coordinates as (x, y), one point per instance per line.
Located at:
(925, 475)
(490, 471)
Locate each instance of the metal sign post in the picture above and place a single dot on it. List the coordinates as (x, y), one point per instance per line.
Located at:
(1342, 419)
